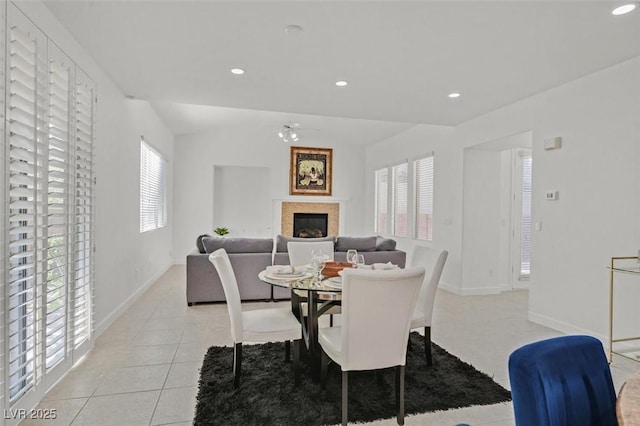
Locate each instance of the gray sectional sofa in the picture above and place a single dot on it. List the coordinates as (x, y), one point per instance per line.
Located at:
(249, 256)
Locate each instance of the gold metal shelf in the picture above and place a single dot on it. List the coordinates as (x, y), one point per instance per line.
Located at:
(618, 265)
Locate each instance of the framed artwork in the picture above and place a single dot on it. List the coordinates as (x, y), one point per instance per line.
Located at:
(310, 172)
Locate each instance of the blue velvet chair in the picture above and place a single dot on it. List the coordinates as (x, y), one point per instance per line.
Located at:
(563, 381)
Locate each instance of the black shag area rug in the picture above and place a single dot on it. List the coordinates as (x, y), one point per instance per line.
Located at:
(267, 395)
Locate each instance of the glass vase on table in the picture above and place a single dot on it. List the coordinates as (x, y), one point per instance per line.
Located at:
(352, 256)
(318, 262)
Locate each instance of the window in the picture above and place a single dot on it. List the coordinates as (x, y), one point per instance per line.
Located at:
(400, 195)
(26, 206)
(153, 198)
(423, 172)
(408, 217)
(381, 194)
(525, 228)
(59, 232)
(49, 217)
(84, 210)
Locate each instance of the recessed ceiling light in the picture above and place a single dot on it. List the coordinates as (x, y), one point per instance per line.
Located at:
(454, 95)
(237, 71)
(341, 83)
(623, 9)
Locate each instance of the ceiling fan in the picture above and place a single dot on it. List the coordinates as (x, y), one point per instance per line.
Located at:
(290, 132)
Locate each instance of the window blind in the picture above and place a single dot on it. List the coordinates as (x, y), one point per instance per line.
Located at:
(525, 228)
(423, 171)
(49, 216)
(84, 210)
(381, 194)
(152, 189)
(59, 223)
(4, 223)
(26, 205)
(400, 199)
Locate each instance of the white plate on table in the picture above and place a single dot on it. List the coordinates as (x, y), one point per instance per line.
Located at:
(288, 277)
(335, 282)
(289, 274)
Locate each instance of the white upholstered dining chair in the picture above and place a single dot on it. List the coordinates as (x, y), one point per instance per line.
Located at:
(300, 254)
(433, 261)
(262, 325)
(300, 251)
(376, 314)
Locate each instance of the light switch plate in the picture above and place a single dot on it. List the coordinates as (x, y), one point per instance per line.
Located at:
(553, 143)
(552, 195)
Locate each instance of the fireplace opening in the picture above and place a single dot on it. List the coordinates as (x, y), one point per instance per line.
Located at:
(310, 225)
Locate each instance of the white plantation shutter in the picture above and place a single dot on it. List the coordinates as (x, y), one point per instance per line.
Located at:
(153, 178)
(4, 210)
(26, 120)
(84, 209)
(381, 204)
(423, 171)
(400, 193)
(525, 228)
(60, 222)
(49, 215)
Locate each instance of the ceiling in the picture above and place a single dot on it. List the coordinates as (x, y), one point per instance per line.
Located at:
(401, 59)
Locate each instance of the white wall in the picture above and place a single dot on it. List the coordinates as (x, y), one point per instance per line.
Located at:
(596, 172)
(235, 212)
(481, 221)
(126, 261)
(596, 217)
(250, 145)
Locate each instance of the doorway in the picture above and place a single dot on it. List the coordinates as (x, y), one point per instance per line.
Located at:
(496, 241)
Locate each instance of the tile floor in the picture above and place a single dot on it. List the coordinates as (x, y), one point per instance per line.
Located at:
(144, 368)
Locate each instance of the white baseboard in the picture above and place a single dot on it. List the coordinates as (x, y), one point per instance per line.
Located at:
(180, 261)
(521, 285)
(448, 287)
(515, 287)
(473, 291)
(104, 324)
(478, 291)
(564, 327)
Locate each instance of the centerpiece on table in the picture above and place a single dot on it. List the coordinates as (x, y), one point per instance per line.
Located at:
(331, 269)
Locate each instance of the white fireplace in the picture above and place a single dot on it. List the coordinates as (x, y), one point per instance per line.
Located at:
(284, 211)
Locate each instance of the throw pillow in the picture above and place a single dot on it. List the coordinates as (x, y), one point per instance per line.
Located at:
(199, 244)
(357, 243)
(385, 244)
